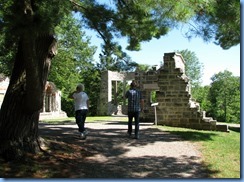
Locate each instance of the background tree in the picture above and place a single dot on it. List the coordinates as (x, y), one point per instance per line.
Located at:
(218, 21)
(6, 57)
(194, 71)
(92, 79)
(224, 95)
(28, 29)
(115, 59)
(193, 68)
(143, 67)
(201, 96)
(74, 59)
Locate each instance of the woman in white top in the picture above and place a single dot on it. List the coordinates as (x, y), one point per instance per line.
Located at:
(81, 104)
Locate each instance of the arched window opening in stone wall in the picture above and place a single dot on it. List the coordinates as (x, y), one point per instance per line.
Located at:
(51, 100)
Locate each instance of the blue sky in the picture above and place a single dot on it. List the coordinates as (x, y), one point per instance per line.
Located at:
(213, 57)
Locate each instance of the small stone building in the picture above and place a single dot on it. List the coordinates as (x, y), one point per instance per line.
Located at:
(51, 101)
(4, 82)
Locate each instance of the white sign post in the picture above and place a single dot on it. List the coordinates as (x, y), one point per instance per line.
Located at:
(155, 112)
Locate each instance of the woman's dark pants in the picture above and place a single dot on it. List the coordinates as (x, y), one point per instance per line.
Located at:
(80, 117)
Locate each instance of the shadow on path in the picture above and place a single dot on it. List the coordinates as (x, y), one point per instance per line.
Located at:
(112, 154)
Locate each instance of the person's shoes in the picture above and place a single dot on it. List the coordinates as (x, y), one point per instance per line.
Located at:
(136, 136)
(85, 132)
(128, 134)
(82, 136)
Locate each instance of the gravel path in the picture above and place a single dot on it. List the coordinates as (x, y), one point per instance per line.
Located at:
(156, 154)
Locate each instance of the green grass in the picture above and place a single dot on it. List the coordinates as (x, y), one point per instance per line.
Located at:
(71, 120)
(220, 150)
(105, 118)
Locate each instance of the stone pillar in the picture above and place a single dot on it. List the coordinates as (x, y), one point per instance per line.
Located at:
(44, 103)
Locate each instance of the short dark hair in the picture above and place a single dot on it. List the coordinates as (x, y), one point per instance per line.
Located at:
(133, 84)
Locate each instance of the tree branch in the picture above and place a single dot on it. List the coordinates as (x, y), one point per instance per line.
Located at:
(77, 4)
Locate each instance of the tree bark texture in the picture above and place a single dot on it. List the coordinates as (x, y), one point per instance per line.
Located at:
(19, 114)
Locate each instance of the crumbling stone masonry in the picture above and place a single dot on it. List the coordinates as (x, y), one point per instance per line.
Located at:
(174, 104)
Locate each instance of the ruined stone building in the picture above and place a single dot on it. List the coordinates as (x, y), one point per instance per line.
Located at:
(4, 82)
(51, 101)
(174, 104)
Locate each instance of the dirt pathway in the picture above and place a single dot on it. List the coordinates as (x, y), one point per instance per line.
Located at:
(112, 154)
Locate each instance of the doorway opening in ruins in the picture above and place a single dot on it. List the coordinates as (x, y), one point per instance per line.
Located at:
(153, 96)
(119, 101)
(117, 90)
(113, 88)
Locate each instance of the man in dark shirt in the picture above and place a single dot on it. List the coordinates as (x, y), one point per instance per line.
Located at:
(135, 106)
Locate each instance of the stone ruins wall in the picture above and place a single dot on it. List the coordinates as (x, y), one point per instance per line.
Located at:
(175, 106)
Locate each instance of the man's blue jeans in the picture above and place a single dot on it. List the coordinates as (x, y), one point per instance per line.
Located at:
(134, 115)
(80, 117)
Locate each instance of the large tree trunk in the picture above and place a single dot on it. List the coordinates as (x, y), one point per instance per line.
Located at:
(19, 114)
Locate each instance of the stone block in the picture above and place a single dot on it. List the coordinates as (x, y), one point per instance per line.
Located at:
(194, 120)
(196, 126)
(206, 126)
(152, 86)
(222, 127)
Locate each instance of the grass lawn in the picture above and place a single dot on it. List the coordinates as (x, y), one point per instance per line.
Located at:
(88, 119)
(220, 150)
